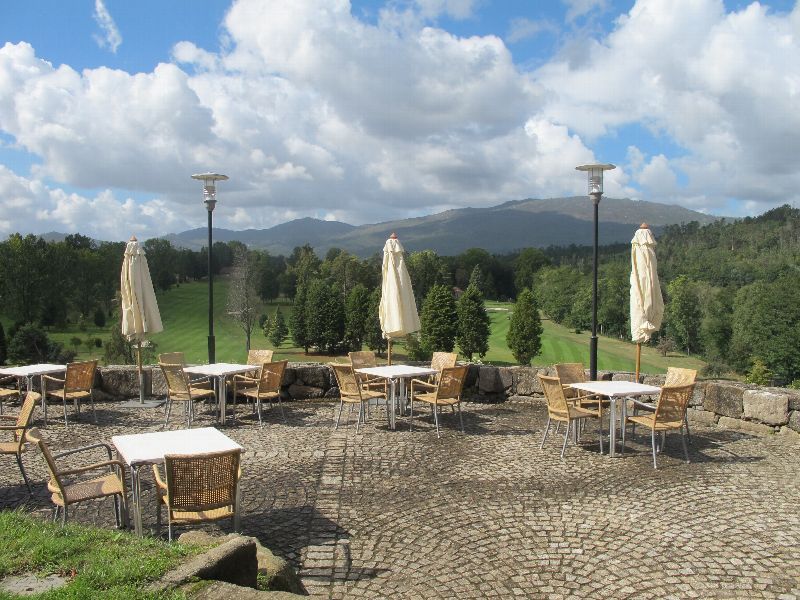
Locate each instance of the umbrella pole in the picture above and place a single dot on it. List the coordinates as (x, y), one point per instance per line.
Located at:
(389, 350)
(141, 373)
(638, 360)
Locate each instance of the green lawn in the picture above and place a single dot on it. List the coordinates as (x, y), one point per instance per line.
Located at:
(184, 311)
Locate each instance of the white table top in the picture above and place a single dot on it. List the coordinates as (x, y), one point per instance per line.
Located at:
(31, 370)
(390, 371)
(616, 388)
(150, 448)
(219, 369)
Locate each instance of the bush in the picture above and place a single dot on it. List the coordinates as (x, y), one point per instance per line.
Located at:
(98, 343)
(759, 373)
(31, 344)
(524, 337)
(414, 349)
(99, 317)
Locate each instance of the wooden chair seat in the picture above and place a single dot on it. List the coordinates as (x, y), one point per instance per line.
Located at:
(649, 420)
(561, 410)
(76, 386)
(198, 516)
(98, 487)
(265, 387)
(431, 398)
(447, 392)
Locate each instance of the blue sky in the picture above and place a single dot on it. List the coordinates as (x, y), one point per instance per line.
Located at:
(370, 110)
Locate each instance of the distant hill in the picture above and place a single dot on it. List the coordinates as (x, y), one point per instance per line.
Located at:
(498, 229)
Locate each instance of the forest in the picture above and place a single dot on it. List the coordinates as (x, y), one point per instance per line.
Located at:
(729, 287)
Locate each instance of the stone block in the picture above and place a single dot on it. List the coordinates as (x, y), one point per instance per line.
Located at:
(794, 399)
(622, 377)
(304, 392)
(158, 385)
(702, 417)
(724, 399)
(746, 426)
(699, 394)
(767, 407)
(123, 380)
(526, 381)
(657, 380)
(489, 381)
(314, 376)
(472, 376)
(506, 375)
(332, 392)
(290, 374)
(790, 433)
(794, 420)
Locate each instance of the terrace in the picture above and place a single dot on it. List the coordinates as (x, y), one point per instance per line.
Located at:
(487, 513)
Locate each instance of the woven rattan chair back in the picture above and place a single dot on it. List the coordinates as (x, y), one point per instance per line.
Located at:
(677, 376)
(672, 403)
(24, 418)
(259, 357)
(346, 380)
(177, 381)
(80, 376)
(201, 482)
(443, 360)
(362, 359)
(172, 358)
(271, 376)
(451, 382)
(55, 485)
(570, 373)
(554, 394)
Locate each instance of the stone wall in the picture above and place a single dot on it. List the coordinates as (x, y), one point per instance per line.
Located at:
(727, 404)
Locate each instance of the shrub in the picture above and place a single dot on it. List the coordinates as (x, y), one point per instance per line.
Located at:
(99, 317)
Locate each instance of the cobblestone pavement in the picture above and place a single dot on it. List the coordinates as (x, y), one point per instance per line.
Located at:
(488, 514)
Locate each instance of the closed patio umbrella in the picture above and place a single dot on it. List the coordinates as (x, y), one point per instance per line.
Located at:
(647, 305)
(398, 309)
(139, 314)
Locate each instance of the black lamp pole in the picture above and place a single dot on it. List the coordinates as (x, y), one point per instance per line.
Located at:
(210, 200)
(595, 172)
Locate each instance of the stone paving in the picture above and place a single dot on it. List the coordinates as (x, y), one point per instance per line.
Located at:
(487, 514)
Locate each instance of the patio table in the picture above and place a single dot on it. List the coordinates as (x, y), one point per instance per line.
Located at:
(141, 449)
(613, 390)
(396, 374)
(31, 371)
(221, 371)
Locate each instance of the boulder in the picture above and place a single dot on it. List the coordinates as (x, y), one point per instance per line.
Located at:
(526, 381)
(506, 375)
(746, 426)
(489, 381)
(277, 572)
(332, 392)
(158, 385)
(290, 374)
(219, 589)
(702, 417)
(794, 420)
(123, 381)
(304, 392)
(318, 376)
(767, 407)
(724, 399)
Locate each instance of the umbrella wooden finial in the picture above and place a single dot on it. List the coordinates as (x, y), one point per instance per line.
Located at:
(644, 226)
(133, 239)
(393, 236)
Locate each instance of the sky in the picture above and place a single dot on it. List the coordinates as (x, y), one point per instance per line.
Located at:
(365, 111)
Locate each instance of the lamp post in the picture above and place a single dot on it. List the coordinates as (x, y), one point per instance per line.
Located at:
(595, 192)
(210, 200)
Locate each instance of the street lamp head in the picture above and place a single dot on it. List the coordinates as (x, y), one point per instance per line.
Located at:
(595, 176)
(209, 187)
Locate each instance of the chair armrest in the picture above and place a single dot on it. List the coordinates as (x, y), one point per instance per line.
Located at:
(50, 378)
(82, 448)
(642, 403)
(245, 378)
(157, 476)
(92, 467)
(424, 383)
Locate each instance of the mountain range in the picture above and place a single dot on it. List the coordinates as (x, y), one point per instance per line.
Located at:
(497, 229)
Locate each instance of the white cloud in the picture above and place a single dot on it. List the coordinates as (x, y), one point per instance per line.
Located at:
(522, 29)
(579, 8)
(111, 37)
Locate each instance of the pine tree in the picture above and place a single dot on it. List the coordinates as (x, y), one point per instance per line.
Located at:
(373, 335)
(3, 348)
(473, 323)
(356, 315)
(524, 337)
(439, 320)
(298, 320)
(324, 316)
(279, 331)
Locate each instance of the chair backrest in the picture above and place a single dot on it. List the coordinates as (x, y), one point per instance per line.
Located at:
(202, 482)
(172, 358)
(346, 380)
(678, 376)
(259, 357)
(80, 376)
(672, 403)
(24, 419)
(271, 376)
(177, 381)
(362, 359)
(55, 485)
(442, 360)
(451, 382)
(554, 394)
(570, 373)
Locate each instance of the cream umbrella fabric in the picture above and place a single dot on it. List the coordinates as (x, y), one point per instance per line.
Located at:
(647, 305)
(139, 310)
(398, 309)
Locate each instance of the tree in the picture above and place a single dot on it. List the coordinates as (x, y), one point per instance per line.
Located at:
(529, 262)
(99, 317)
(297, 322)
(30, 344)
(426, 269)
(356, 315)
(716, 325)
(373, 335)
(556, 290)
(683, 314)
(614, 296)
(279, 329)
(324, 316)
(243, 302)
(162, 260)
(666, 345)
(580, 314)
(3, 348)
(438, 321)
(473, 323)
(524, 337)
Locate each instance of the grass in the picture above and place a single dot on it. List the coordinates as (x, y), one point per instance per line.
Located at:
(184, 311)
(99, 563)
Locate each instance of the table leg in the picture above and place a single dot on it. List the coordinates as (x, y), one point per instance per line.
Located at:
(223, 399)
(136, 490)
(612, 429)
(392, 403)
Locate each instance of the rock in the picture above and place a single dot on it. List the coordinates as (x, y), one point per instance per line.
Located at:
(699, 394)
(220, 589)
(472, 376)
(278, 573)
(289, 375)
(124, 380)
(794, 420)
(724, 399)
(332, 393)
(489, 381)
(746, 426)
(622, 377)
(790, 433)
(506, 375)
(526, 381)
(656, 380)
(303, 392)
(702, 417)
(158, 385)
(766, 407)
(794, 399)
(318, 376)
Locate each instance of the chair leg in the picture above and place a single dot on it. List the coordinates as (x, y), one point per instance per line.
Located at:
(411, 420)
(653, 440)
(258, 410)
(64, 515)
(158, 513)
(566, 437)
(360, 412)
(686, 423)
(167, 410)
(339, 415)
(600, 427)
(683, 442)
(436, 419)
(546, 431)
(24, 474)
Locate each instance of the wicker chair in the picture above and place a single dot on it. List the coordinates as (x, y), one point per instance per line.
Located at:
(569, 373)
(8, 393)
(351, 392)
(181, 389)
(447, 392)
(76, 386)
(199, 488)
(669, 414)
(259, 357)
(172, 358)
(363, 360)
(562, 411)
(439, 361)
(67, 487)
(675, 377)
(19, 430)
(267, 386)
